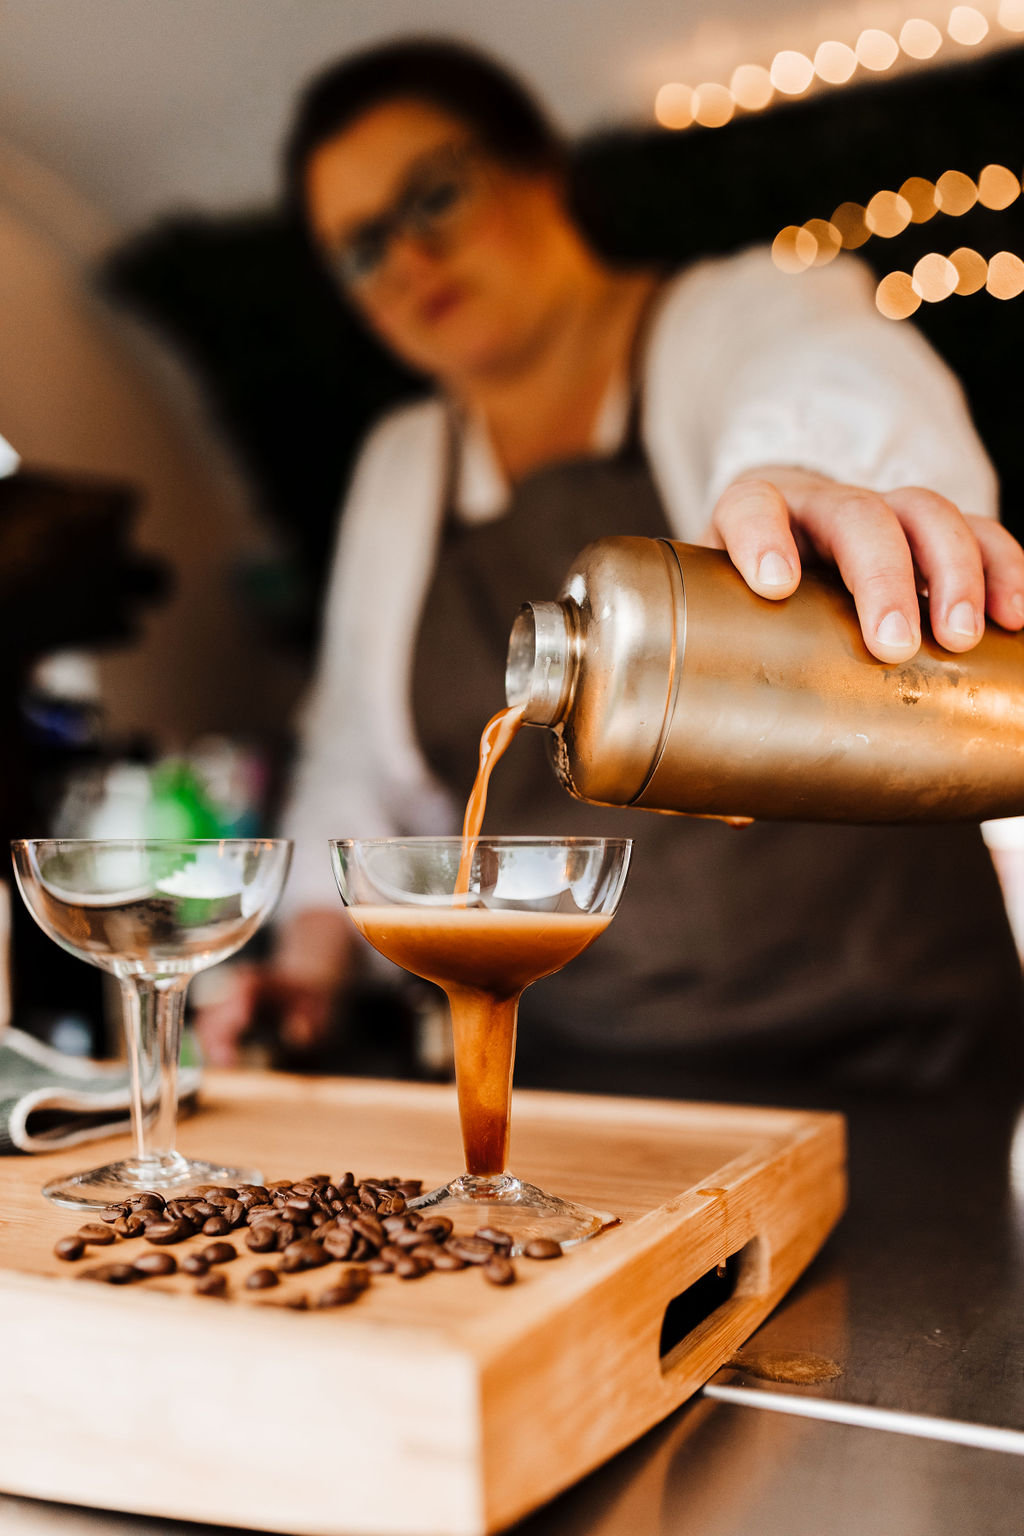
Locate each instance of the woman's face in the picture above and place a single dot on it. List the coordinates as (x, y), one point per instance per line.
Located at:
(454, 259)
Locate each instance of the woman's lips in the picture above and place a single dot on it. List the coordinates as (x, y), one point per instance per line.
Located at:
(441, 303)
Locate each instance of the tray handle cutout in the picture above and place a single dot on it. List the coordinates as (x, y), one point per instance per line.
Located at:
(705, 1300)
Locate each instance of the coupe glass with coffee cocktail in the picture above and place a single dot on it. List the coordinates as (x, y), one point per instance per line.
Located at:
(483, 918)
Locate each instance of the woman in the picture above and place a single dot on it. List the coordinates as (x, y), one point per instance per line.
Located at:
(775, 417)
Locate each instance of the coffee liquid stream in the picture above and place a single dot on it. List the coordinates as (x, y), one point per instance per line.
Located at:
(482, 960)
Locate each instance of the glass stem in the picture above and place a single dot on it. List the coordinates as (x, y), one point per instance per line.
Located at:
(484, 1029)
(153, 1015)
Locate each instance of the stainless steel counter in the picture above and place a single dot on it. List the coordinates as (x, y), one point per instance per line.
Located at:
(919, 1297)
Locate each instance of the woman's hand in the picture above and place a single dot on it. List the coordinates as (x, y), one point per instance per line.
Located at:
(296, 992)
(886, 547)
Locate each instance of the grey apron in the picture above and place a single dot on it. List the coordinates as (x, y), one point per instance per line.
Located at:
(860, 956)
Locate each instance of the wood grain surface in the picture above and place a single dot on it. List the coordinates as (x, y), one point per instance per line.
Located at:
(442, 1405)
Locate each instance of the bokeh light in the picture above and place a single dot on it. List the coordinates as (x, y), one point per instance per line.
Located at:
(713, 105)
(955, 193)
(934, 278)
(791, 72)
(834, 63)
(877, 50)
(998, 187)
(972, 270)
(1011, 15)
(1005, 275)
(920, 195)
(794, 249)
(673, 106)
(920, 39)
(827, 239)
(751, 85)
(895, 297)
(966, 25)
(848, 219)
(887, 214)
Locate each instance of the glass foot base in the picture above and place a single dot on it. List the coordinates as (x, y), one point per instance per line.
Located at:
(522, 1210)
(99, 1187)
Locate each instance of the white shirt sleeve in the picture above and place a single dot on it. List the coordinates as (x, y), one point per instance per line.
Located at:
(359, 771)
(749, 366)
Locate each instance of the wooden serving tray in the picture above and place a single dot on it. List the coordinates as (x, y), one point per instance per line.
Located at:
(443, 1405)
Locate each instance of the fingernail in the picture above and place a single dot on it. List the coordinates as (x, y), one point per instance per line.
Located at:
(774, 570)
(963, 620)
(894, 631)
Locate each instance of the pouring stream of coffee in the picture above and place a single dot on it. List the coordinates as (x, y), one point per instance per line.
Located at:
(497, 736)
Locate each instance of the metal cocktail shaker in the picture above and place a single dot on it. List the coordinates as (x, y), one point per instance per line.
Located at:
(668, 684)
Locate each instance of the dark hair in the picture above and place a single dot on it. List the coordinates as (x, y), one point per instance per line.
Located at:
(455, 77)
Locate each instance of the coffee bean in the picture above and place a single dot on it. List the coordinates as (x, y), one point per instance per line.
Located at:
(233, 1212)
(222, 1192)
(179, 1210)
(370, 1228)
(112, 1213)
(261, 1280)
(380, 1266)
(338, 1296)
(251, 1192)
(499, 1270)
(410, 1188)
(212, 1285)
(408, 1237)
(391, 1205)
(261, 1239)
(219, 1253)
(194, 1264)
(262, 1213)
(69, 1248)
(200, 1191)
(163, 1232)
(296, 1303)
(305, 1254)
(449, 1261)
(284, 1233)
(148, 1200)
(437, 1227)
(409, 1268)
(475, 1250)
(297, 1208)
(155, 1264)
(96, 1234)
(339, 1242)
(305, 1187)
(428, 1252)
(501, 1240)
(202, 1210)
(216, 1226)
(110, 1274)
(543, 1248)
(129, 1226)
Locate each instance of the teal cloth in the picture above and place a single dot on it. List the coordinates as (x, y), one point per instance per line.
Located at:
(48, 1100)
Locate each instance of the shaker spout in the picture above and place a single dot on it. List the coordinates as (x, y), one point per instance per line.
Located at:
(541, 664)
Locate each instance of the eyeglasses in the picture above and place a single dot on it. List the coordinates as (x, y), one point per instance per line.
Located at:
(438, 194)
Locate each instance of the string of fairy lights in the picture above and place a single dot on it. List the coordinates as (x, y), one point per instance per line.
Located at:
(935, 277)
(752, 87)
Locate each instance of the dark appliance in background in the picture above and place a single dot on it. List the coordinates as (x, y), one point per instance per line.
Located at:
(69, 578)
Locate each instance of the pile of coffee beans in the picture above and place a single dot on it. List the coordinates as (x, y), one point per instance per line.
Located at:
(303, 1225)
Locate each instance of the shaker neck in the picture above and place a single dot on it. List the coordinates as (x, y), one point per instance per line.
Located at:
(540, 671)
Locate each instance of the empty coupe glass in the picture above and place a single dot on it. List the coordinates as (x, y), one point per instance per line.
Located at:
(152, 913)
(483, 919)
